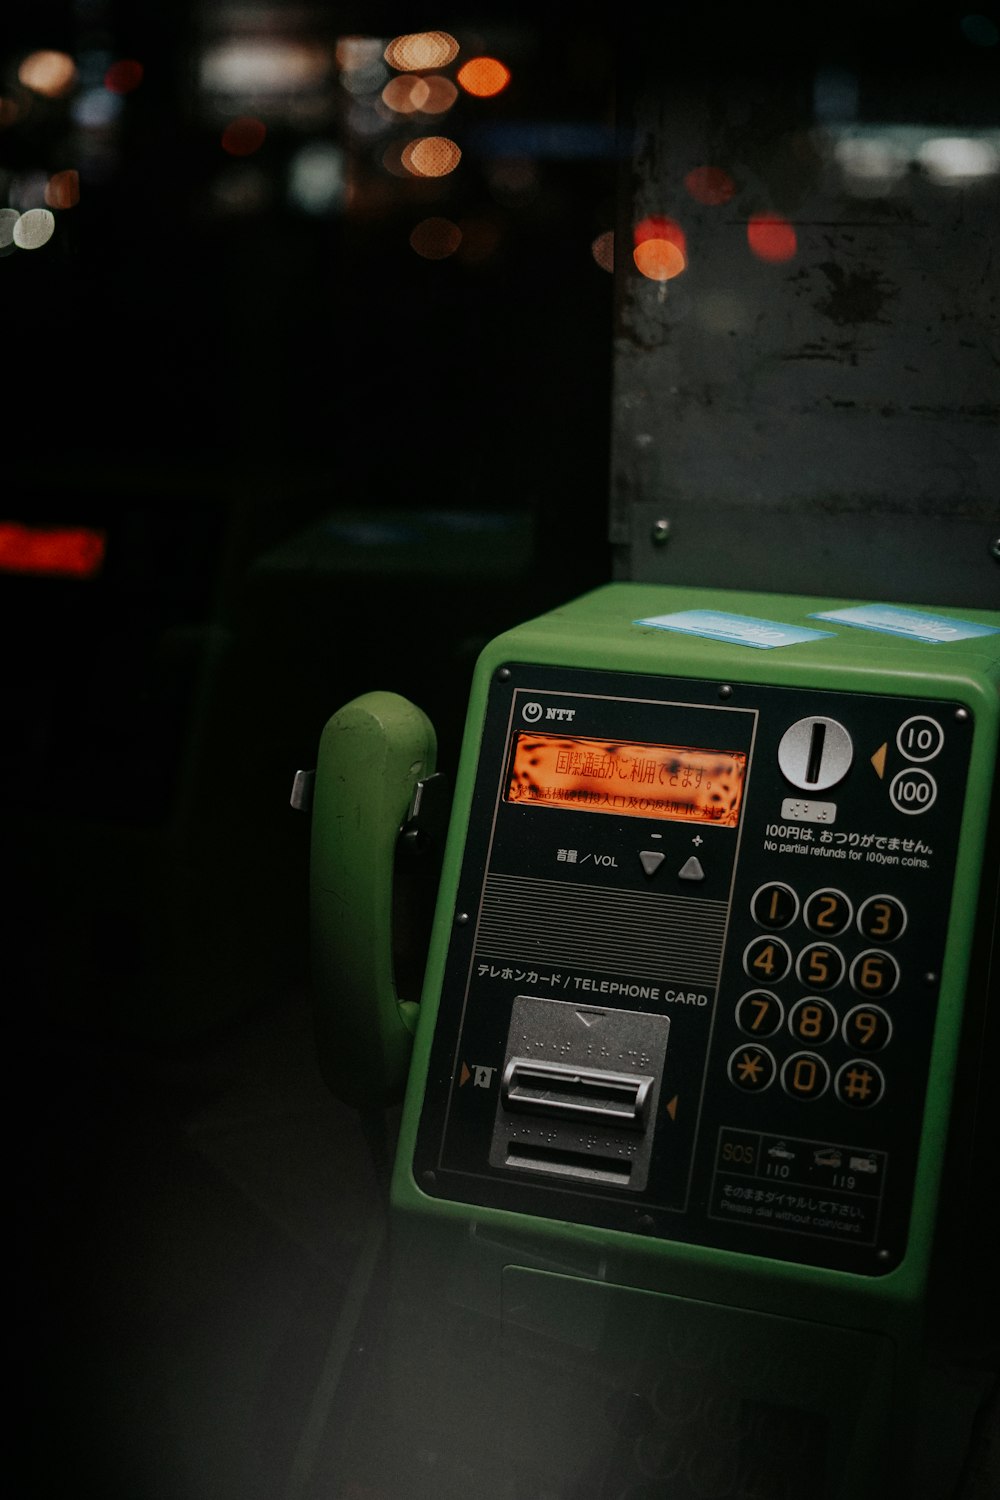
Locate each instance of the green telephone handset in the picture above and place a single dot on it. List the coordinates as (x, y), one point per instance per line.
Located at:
(376, 757)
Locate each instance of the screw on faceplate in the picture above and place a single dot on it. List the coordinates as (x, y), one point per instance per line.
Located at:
(725, 691)
(995, 548)
(660, 532)
(504, 674)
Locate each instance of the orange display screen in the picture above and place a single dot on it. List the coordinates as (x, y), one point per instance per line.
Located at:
(680, 783)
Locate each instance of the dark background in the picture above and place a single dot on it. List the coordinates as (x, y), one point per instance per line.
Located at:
(321, 463)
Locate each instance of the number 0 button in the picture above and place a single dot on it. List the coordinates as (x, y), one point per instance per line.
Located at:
(805, 1076)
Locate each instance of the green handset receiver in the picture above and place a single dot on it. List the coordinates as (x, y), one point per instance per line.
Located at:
(689, 1112)
(375, 756)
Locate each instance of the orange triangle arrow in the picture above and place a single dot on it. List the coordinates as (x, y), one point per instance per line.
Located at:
(672, 1108)
(464, 1076)
(878, 760)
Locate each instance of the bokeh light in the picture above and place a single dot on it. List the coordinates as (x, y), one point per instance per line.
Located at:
(603, 250)
(51, 74)
(954, 160)
(51, 551)
(441, 94)
(243, 136)
(483, 77)
(34, 229)
(96, 109)
(405, 94)
(63, 189)
(710, 185)
(660, 247)
(659, 227)
(8, 218)
(435, 238)
(981, 31)
(123, 76)
(431, 156)
(8, 112)
(421, 51)
(659, 260)
(772, 238)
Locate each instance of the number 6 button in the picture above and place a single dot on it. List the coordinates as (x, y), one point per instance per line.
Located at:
(874, 973)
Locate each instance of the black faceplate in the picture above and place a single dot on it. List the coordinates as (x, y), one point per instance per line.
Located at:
(790, 1101)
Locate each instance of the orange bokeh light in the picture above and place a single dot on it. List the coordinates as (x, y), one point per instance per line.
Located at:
(435, 238)
(710, 185)
(420, 51)
(772, 238)
(660, 251)
(483, 77)
(603, 250)
(63, 189)
(51, 74)
(244, 135)
(431, 156)
(659, 260)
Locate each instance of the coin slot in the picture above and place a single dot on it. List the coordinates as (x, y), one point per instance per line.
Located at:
(815, 761)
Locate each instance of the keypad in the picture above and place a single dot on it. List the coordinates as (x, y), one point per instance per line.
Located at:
(839, 996)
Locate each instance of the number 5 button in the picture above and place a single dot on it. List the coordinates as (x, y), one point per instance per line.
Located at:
(820, 966)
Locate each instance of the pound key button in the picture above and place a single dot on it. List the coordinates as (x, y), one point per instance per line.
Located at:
(859, 1083)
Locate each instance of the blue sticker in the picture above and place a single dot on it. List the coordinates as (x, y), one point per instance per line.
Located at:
(737, 630)
(914, 624)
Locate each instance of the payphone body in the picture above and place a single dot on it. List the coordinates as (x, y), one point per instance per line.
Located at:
(689, 1133)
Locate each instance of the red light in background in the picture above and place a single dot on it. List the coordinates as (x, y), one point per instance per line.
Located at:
(51, 551)
(243, 136)
(710, 185)
(123, 76)
(772, 238)
(659, 227)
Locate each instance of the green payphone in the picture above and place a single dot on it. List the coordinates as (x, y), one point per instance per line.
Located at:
(689, 1145)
